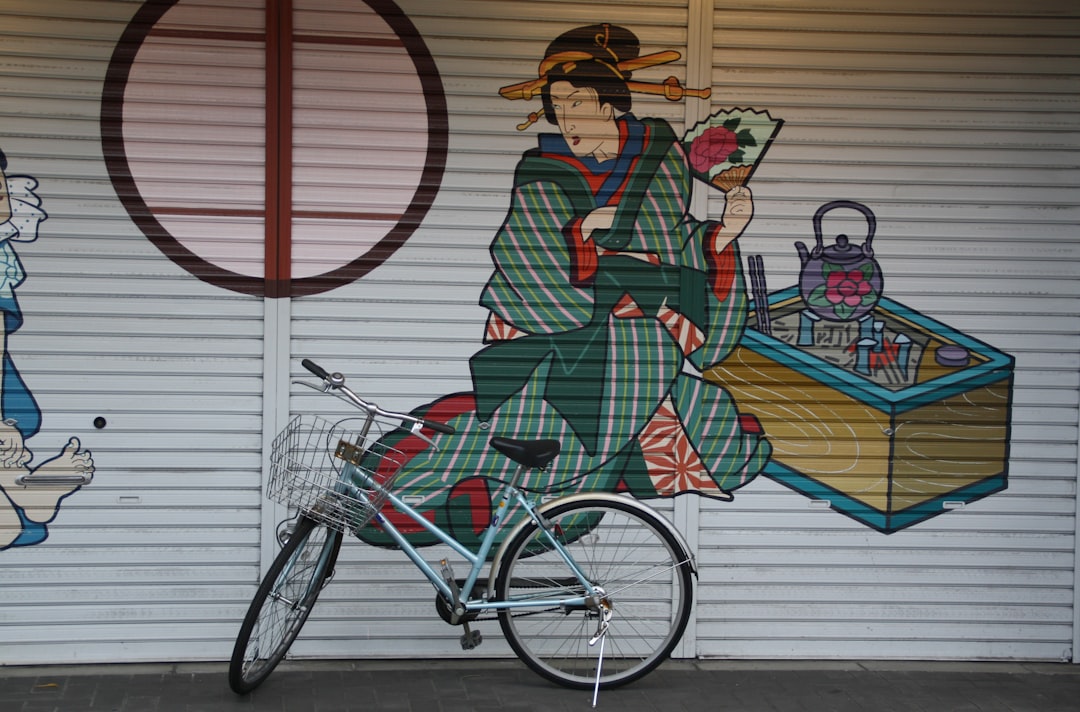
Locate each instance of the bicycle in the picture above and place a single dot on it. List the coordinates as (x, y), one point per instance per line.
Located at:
(591, 590)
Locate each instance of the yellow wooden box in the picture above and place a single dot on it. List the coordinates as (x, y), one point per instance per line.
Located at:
(890, 449)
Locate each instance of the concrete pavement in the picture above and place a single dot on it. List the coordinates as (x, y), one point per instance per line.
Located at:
(489, 685)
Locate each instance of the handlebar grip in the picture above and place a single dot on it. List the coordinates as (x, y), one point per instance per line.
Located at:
(439, 427)
(315, 368)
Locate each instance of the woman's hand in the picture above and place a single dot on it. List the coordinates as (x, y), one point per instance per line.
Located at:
(738, 210)
(599, 219)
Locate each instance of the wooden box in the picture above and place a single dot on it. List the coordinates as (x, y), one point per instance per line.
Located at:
(892, 447)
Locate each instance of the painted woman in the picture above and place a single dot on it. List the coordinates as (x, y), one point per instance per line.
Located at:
(607, 302)
(25, 510)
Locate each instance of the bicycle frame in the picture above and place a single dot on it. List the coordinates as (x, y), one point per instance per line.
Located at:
(478, 558)
(351, 473)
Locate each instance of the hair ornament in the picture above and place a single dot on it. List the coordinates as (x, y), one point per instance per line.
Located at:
(671, 88)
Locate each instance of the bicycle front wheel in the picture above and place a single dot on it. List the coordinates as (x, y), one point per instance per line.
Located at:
(282, 603)
(631, 555)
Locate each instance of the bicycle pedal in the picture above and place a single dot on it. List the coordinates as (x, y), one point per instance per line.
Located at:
(471, 639)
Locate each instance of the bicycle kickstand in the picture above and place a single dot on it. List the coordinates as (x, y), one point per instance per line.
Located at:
(606, 612)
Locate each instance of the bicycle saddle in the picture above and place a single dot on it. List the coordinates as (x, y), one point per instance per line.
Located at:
(530, 453)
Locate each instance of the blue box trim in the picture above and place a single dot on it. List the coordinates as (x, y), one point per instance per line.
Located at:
(885, 522)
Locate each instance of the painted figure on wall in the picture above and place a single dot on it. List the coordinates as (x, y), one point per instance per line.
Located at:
(607, 302)
(26, 506)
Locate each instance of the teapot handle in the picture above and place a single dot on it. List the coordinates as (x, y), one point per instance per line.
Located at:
(871, 222)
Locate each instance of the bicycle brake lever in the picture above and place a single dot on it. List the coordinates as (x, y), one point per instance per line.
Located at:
(323, 387)
(416, 430)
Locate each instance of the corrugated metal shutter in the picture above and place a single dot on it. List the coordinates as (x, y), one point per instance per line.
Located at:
(957, 127)
(781, 576)
(152, 560)
(928, 131)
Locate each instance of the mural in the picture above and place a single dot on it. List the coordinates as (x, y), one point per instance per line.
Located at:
(607, 302)
(618, 323)
(30, 495)
(618, 326)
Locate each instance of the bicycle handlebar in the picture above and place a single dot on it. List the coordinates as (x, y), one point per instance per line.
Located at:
(315, 368)
(336, 381)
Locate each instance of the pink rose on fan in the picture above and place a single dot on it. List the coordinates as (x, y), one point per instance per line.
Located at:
(712, 148)
(847, 287)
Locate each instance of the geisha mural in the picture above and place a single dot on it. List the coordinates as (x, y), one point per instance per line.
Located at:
(30, 495)
(607, 303)
(618, 325)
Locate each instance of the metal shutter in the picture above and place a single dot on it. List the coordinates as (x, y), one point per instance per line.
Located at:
(151, 560)
(956, 126)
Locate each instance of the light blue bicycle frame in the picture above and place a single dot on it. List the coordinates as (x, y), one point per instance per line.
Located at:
(476, 559)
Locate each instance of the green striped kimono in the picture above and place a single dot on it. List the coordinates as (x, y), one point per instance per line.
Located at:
(596, 343)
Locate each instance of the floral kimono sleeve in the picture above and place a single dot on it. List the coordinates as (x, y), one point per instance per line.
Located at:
(532, 287)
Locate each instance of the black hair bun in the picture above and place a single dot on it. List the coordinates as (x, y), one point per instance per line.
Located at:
(607, 43)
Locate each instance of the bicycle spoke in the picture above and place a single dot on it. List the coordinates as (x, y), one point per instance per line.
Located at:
(282, 604)
(642, 572)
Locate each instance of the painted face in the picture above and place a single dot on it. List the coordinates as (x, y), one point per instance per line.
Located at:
(588, 127)
(5, 200)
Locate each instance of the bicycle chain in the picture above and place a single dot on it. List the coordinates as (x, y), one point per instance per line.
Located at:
(513, 615)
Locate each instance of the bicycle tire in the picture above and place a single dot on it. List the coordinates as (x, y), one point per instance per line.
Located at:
(283, 603)
(629, 552)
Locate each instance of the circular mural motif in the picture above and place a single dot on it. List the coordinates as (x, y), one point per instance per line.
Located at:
(273, 152)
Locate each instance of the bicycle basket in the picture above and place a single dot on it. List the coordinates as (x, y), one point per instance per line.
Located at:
(320, 468)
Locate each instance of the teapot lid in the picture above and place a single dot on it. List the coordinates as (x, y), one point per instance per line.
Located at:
(843, 251)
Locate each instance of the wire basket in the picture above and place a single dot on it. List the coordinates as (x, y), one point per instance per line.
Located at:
(324, 470)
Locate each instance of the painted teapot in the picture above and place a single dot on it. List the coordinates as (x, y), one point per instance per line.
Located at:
(841, 282)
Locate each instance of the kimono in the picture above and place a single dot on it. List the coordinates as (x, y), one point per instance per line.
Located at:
(17, 404)
(598, 343)
(16, 401)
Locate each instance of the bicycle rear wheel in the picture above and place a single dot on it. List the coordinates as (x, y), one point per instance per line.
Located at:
(643, 570)
(282, 603)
